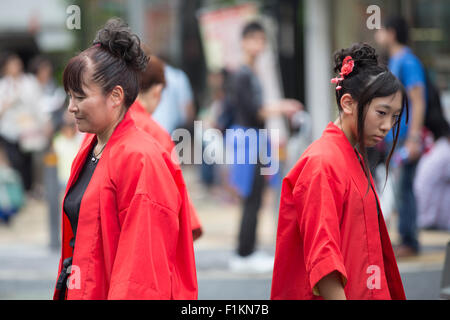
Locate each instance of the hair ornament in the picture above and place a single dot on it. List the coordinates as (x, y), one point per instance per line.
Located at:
(347, 67)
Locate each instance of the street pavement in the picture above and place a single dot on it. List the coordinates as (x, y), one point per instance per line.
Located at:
(28, 266)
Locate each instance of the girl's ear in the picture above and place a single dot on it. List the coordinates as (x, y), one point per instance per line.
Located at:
(348, 104)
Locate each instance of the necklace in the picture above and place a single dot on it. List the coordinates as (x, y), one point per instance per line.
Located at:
(94, 159)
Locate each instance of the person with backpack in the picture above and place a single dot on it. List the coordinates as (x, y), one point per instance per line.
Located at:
(408, 68)
(247, 113)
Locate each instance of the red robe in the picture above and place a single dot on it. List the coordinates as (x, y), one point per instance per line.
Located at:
(328, 223)
(134, 238)
(145, 121)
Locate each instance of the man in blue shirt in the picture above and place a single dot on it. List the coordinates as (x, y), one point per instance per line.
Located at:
(407, 67)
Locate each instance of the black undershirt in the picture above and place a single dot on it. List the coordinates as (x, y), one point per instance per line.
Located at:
(73, 198)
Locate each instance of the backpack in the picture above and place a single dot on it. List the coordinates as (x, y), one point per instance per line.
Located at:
(434, 121)
(434, 115)
(226, 117)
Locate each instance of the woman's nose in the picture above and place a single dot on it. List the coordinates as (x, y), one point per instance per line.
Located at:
(72, 108)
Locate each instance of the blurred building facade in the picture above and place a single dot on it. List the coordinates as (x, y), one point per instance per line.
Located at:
(306, 34)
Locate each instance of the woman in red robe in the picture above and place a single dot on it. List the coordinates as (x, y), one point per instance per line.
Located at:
(152, 82)
(126, 224)
(332, 241)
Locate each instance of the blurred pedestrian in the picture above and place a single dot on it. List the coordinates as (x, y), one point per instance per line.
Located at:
(245, 99)
(432, 182)
(408, 68)
(49, 106)
(176, 108)
(209, 116)
(126, 229)
(66, 143)
(41, 67)
(21, 122)
(332, 242)
(152, 82)
(53, 96)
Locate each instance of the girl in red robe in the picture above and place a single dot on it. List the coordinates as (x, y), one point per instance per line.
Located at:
(126, 225)
(332, 241)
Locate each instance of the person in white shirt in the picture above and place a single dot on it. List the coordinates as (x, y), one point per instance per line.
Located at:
(21, 129)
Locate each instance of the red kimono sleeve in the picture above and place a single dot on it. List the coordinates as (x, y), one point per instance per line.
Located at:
(318, 197)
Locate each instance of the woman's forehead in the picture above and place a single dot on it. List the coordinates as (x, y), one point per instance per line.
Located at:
(86, 79)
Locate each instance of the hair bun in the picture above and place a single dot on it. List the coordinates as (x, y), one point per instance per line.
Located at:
(363, 55)
(117, 38)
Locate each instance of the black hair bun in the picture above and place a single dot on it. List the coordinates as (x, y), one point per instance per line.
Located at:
(363, 55)
(117, 38)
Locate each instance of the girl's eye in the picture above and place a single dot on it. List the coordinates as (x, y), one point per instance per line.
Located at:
(382, 113)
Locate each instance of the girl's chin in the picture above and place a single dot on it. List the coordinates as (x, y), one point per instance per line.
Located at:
(371, 143)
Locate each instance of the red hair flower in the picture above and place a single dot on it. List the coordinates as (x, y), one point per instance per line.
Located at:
(347, 67)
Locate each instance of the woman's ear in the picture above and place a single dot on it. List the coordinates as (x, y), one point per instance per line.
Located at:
(117, 96)
(348, 104)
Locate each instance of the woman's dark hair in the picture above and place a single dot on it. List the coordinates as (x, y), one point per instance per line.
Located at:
(400, 27)
(153, 74)
(117, 59)
(367, 81)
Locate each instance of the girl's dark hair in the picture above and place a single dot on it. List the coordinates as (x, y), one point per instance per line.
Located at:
(367, 81)
(117, 59)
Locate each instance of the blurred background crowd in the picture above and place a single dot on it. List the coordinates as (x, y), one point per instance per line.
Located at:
(200, 44)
